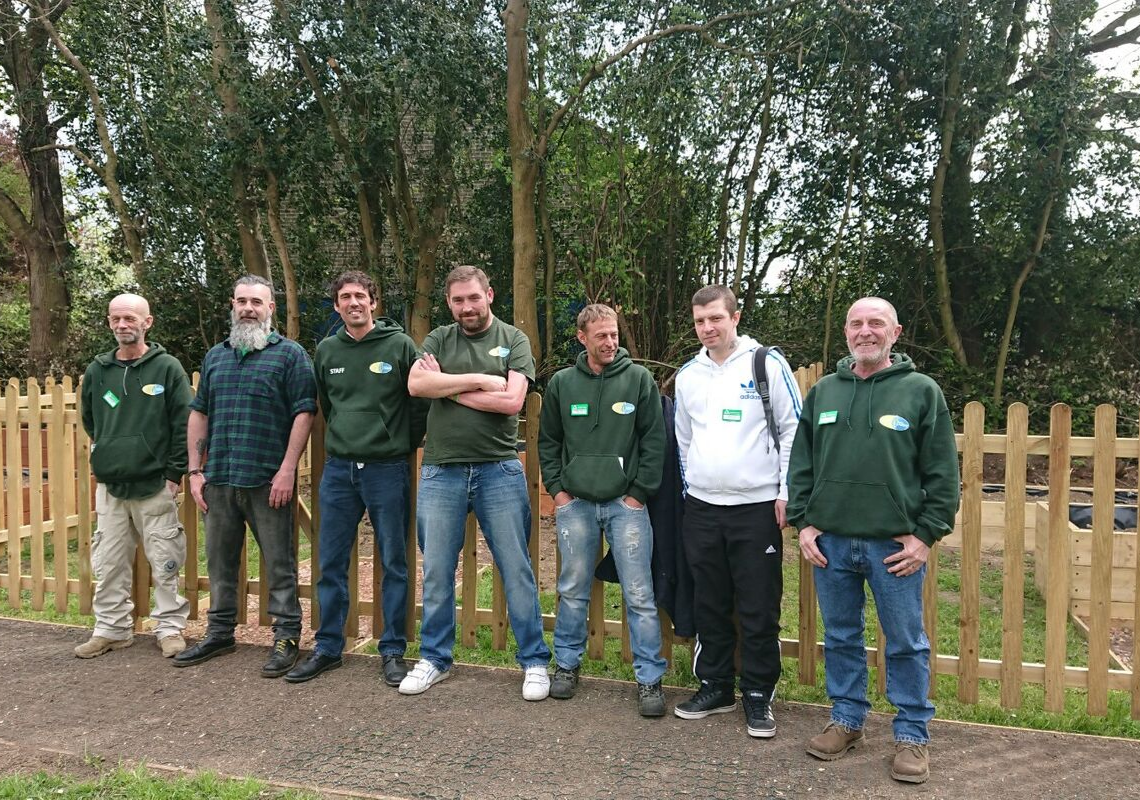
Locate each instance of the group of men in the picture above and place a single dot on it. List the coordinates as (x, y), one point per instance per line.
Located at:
(865, 468)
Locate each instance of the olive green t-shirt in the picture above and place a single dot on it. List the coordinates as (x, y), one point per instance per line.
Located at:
(457, 434)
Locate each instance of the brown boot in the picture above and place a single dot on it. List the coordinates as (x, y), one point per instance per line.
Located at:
(911, 764)
(834, 742)
(172, 645)
(97, 646)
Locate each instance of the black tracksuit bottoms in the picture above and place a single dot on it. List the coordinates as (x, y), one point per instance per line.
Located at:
(735, 554)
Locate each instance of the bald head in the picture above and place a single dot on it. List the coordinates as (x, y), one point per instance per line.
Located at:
(872, 328)
(129, 318)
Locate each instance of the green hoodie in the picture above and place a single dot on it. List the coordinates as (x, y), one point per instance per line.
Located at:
(136, 417)
(875, 457)
(602, 436)
(363, 388)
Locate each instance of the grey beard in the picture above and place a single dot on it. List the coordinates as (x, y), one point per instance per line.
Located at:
(248, 335)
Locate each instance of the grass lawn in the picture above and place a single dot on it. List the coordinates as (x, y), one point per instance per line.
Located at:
(138, 784)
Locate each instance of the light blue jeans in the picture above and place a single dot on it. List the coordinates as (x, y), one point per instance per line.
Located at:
(851, 561)
(496, 492)
(580, 524)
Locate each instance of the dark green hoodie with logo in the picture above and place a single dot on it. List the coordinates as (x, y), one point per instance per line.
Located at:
(875, 457)
(602, 436)
(136, 415)
(363, 388)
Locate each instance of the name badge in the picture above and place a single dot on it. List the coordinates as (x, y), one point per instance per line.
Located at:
(828, 417)
(110, 399)
(579, 409)
(731, 415)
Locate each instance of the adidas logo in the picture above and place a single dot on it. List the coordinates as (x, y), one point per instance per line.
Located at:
(750, 386)
(771, 549)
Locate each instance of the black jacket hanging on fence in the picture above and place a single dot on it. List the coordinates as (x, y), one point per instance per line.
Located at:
(672, 582)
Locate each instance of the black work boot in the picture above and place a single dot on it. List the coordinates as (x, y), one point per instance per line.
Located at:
(282, 659)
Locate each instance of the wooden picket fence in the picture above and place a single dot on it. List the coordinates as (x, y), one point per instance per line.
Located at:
(41, 435)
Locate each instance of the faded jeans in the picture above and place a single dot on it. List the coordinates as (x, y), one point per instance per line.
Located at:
(579, 525)
(496, 492)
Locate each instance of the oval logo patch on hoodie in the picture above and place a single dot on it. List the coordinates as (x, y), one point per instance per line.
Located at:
(380, 367)
(623, 408)
(501, 352)
(154, 389)
(894, 422)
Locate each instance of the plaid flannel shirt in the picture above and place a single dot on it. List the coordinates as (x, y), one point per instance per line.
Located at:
(250, 402)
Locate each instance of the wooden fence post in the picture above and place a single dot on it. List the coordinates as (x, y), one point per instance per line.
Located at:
(83, 509)
(1104, 508)
(1057, 579)
(15, 491)
(36, 493)
(1013, 579)
(1136, 619)
(970, 592)
(58, 478)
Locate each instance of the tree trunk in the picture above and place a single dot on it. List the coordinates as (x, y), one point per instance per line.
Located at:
(225, 68)
(951, 103)
(524, 173)
(273, 212)
(43, 235)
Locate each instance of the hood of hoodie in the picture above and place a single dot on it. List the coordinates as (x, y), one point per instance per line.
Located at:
(619, 365)
(744, 346)
(382, 328)
(108, 359)
(900, 362)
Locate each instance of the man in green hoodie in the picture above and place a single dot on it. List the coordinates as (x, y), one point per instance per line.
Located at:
(601, 444)
(135, 401)
(371, 426)
(873, 484)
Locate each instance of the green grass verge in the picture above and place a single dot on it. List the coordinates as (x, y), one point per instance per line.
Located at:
(138, 784)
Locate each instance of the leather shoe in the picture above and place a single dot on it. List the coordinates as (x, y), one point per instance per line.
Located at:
(395, 669)
(311, 667)
(203, 651)
(281, 660)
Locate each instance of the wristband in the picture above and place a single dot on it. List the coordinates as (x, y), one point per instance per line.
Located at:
(194, 472)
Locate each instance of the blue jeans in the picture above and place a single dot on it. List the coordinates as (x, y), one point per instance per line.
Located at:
(496, 492)
(852, 560)
(628, 531)
(347, 489)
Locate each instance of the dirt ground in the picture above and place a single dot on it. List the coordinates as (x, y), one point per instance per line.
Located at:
(474, 737)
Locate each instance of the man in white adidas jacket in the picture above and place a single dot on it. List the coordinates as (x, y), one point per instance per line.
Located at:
(736, 493)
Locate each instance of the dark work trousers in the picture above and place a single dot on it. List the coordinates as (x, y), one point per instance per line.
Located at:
(735, 554)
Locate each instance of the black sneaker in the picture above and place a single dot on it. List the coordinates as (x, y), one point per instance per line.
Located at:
(709, 699)
(650, 700)
(758, 713)
(282, 659)
(564, 683)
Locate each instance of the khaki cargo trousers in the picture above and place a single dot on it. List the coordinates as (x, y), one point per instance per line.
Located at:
(121, 525)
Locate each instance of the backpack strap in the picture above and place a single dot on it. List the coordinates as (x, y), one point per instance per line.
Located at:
(760, 378)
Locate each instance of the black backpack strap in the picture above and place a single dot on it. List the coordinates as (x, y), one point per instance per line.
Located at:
(760, 378)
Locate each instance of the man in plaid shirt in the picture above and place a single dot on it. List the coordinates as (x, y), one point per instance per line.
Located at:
(248, 426)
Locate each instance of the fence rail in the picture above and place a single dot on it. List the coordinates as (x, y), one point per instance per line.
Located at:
(44, 519)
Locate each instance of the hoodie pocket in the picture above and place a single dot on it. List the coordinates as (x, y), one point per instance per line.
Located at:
(595, 478)
(856, 508)
(361, 434)
(122, 459)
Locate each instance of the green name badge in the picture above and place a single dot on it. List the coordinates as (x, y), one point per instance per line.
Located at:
(828, 417)
(110, 399)
(731, 415)
(579, 409)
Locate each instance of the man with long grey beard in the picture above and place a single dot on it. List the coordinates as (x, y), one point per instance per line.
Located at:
(247, 429)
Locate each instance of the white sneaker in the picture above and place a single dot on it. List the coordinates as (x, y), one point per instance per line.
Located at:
(423, 676)
(536, 683)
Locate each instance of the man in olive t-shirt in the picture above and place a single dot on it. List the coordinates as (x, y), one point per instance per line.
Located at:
(476, 371)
